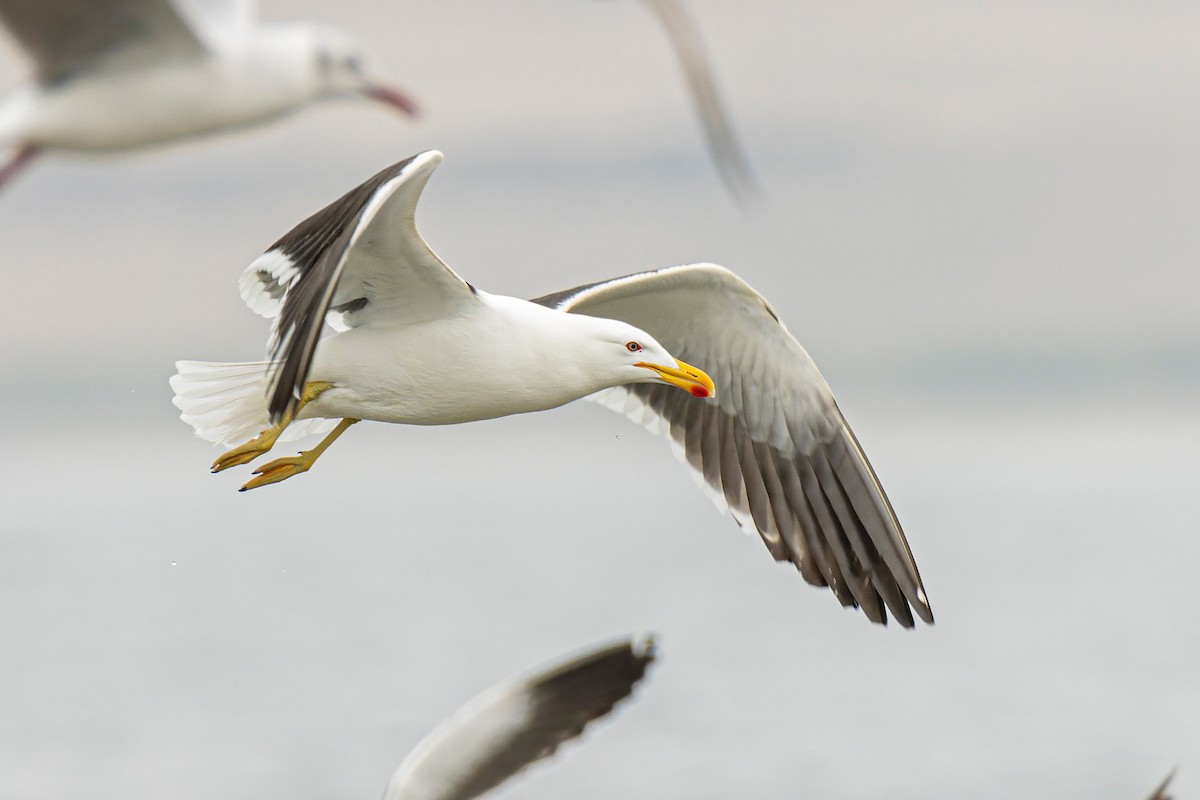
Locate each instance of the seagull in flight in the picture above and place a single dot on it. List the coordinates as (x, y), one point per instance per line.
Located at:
(115, 75)
(417, 344)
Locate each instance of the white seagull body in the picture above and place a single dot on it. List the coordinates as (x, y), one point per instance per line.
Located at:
(514, 724)
(114, 75)
(417, 344)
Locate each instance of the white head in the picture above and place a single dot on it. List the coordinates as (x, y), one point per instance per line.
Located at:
(620, 354)
(338, 66)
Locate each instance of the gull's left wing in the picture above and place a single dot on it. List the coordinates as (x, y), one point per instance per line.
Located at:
(358, 257)
(772, 446)
(513, 725)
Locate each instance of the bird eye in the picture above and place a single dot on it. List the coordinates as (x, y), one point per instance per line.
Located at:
(633, 347)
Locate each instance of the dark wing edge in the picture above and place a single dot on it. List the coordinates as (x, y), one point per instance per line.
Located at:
(65, 37)
(564, 702)
(303, 267)
(820, 506)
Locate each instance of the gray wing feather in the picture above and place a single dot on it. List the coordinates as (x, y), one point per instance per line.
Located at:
(772, 446)
(732, 164)
(509, 727)
(67, 36)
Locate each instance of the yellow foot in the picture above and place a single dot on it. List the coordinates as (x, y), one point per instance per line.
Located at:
(283, 468)
(244, 454)
(280, 470)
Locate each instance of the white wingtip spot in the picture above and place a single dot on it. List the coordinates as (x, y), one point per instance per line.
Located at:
(644, 645)
(425, 162)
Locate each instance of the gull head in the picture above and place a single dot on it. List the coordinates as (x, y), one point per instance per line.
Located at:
(339, 65)
(630, 355)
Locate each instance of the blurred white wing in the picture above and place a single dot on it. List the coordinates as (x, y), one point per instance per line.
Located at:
(512, 725)
(65, 37)
(219, 21)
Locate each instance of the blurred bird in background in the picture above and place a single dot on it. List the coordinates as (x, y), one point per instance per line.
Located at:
(115, 75)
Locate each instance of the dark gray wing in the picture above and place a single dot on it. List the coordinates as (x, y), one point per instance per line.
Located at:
(1161, 792)
(359, 257)
(510, 726)
(732, 164)
(772, 445)
(67, 36)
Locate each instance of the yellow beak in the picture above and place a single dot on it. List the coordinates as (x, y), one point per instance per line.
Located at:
(685, 376)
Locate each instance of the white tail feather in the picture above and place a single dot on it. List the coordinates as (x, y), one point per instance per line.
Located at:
(227, 403)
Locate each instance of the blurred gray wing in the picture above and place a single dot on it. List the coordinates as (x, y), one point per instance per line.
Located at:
(64, 37)
(513, 725)
(732, 164)
(358, 259)
(772, 445)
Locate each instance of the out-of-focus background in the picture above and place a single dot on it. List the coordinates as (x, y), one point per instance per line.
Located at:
(981, 220)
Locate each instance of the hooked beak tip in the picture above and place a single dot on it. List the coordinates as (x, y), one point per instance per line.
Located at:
(684, 376)
(700, 384)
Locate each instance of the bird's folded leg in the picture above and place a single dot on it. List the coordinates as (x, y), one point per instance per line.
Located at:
(283, 468)
(245, 453)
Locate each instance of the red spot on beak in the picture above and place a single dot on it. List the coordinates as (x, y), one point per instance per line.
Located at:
(699, 391)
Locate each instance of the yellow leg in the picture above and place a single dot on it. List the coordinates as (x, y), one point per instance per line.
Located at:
(283, 468)
(244, 454)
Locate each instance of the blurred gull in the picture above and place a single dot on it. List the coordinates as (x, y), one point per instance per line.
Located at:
(115, 75)
(512, 725)
(417, 344)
